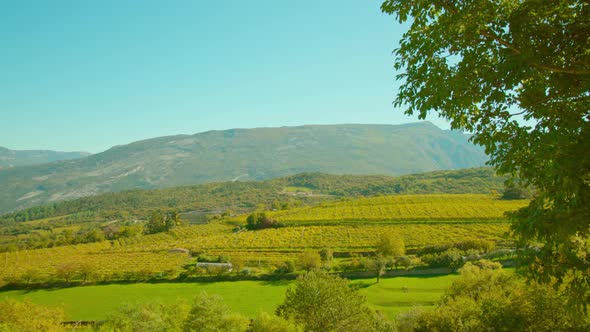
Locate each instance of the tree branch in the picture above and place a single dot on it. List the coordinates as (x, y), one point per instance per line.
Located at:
(570, 71)
(485, 32)
(515, 114)
(489, 34)
(493, 36)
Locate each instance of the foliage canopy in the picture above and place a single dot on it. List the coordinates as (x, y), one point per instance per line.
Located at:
(517, 75)
(484, 299)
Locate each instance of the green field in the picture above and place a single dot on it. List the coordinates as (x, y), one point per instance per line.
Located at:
(246, 297)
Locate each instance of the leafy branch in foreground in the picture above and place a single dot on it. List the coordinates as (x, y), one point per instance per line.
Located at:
(516, 74)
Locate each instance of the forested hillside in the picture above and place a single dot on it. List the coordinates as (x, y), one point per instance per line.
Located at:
(245, 196)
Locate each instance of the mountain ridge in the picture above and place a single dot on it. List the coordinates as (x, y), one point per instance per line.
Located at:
(15, 158)
(246, 154)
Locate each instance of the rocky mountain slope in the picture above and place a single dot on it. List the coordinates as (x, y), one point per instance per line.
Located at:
(242, 154)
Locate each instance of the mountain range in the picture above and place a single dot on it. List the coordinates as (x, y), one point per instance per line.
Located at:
(241, 154)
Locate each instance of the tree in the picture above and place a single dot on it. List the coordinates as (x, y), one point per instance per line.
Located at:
(516, 74)
(209, 314)
(378, 264)
(322, 302)
(30, 275)
(513, 191)
(260, 220)
(310, 259)
(85, 271)
(327, 255)
(156, 223)
(66, 271)
(237, 263)
(387, 250)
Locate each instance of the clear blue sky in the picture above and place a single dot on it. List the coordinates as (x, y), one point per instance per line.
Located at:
(87, 75)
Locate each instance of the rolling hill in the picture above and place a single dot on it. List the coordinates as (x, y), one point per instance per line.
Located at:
(245, 196)
(13, 158)
(241, 154)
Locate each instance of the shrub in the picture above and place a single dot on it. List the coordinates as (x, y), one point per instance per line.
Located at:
(286, 267)
(264, 322)
(452, 258)
(28, 317)
(482, 246)
(209, 313)
(310, 259)
(259, 220)
(482, 299)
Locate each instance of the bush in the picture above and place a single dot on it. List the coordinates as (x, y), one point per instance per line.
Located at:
(264, 322)
(146, 317)
(259, 220)
(310, 259)
(452, 258)
(209, 313)
(482, 299)
(481, 246)
(286, 267)
(28, 317)
(516, 192)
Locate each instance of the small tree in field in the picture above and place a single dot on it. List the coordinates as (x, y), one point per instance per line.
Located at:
(30, 275)
(378, 265)
(66, 271)
(390, 245)
(310, 260)
(322, 302)
(237, 263)
(85, 271)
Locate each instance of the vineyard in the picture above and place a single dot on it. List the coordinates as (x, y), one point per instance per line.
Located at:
(474, 217)
(404, 208)
(149, 254)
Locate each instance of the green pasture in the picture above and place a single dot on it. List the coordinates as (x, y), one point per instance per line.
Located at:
(391, 295)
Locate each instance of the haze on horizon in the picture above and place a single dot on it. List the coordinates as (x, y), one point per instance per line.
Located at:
(87, 76)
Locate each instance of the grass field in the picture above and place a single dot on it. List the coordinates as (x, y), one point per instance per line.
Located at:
(391, 295)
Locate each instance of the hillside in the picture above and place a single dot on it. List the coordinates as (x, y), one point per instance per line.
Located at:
(245, 196)
(241, 154)
(14, 158)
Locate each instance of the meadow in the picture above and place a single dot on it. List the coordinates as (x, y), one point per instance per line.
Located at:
(391, 295)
